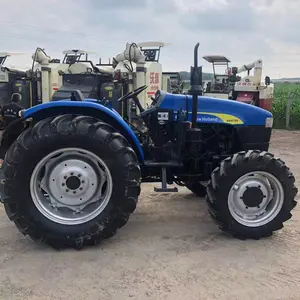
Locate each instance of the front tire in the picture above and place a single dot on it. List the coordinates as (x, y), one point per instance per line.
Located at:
(70, 181)
(251, 194)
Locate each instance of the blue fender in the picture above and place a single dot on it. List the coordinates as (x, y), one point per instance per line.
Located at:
(88, 105)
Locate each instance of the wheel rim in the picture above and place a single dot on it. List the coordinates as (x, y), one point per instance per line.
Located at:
(71, 186)
(255, 199)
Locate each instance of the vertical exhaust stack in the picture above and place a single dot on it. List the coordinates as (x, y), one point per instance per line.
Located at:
(196, 85)
(194, 134)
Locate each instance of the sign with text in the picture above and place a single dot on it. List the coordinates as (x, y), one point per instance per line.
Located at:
(154, 83)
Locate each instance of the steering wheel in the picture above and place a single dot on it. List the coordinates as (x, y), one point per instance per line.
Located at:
(132, 94)
(154, 101)
(124, 97)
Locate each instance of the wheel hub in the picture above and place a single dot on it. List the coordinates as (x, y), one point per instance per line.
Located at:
(73, 182)
(253, 196)
(71, 186)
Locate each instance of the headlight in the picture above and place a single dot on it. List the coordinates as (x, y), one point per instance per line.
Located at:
(269, 122)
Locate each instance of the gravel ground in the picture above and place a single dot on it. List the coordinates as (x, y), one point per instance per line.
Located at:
(170, 249)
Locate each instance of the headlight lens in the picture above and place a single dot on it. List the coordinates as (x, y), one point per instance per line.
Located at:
(269, 123)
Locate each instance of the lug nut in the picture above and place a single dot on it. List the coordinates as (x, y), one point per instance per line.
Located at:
(236, 187)
(63, 184)
(74, 192)
(65, 177)
(81, 188)
(72, 173)
(67, 190)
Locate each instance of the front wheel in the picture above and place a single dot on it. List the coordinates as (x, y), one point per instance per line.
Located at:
(70, 181)
(251, 194)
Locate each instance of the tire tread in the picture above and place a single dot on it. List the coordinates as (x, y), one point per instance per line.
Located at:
(215, 200)
(67, 125)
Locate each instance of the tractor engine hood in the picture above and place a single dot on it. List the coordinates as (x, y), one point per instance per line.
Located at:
(214, 110)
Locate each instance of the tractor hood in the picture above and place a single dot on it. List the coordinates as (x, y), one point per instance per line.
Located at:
(214, 110)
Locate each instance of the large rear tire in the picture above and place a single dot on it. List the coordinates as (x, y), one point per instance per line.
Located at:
(251, 194)
(70, 181)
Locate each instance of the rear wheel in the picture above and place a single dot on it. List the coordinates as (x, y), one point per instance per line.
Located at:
(70, 181)
(251, 194)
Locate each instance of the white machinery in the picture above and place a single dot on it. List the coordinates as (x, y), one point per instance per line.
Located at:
(139, 65)
(51, 79)
(219, 86)
(4, 77)
(251, 89)
(77, 65)
(11, 77)
(5, 70)
(48, 71)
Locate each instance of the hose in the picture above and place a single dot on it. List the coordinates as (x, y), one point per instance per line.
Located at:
(35, 55)
(130, 69)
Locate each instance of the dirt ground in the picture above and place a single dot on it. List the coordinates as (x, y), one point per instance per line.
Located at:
(170, 249)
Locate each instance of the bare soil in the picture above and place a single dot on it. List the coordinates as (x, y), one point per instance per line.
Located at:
(170, 249)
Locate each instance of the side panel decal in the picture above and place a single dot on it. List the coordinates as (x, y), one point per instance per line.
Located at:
(208, 117)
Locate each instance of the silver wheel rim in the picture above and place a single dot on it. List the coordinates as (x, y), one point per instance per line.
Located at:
(257, 214)
(71, 186)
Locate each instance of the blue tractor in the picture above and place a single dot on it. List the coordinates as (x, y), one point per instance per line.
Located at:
(72, 172)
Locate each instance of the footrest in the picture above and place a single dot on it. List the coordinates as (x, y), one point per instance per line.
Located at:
(166, 190)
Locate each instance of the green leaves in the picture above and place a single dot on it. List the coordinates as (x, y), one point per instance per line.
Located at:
(282, 94)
